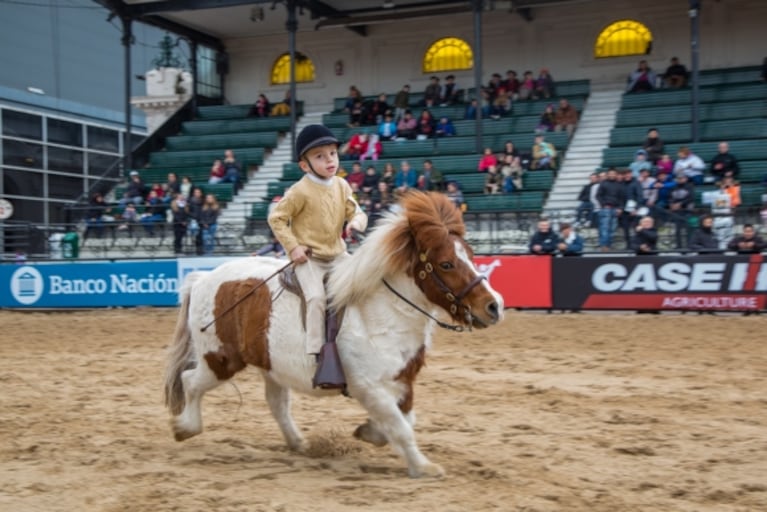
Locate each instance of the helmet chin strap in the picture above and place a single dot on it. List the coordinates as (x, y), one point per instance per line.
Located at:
(311, 168)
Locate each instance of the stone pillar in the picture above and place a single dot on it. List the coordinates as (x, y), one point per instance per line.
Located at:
(167, 89)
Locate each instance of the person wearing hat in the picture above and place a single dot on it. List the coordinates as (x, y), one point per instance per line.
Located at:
(134, 190)
(309, 223)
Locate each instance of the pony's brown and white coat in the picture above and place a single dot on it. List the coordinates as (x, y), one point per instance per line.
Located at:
(419, 251)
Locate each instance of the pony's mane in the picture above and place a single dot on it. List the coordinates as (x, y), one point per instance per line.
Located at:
(423, 220)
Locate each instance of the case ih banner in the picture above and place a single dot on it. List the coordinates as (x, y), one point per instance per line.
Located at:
(721, 283)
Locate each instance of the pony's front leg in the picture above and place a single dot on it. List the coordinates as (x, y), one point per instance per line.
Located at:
(389, 419)
(278, 398)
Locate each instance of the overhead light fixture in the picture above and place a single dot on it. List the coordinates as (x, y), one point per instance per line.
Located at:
(36, 90)
(388, 4)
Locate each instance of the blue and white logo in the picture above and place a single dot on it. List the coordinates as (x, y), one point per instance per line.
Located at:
(27, 285)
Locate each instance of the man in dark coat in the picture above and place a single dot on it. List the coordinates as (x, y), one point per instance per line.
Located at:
(724, 163)
(704, 240)
(544, 241)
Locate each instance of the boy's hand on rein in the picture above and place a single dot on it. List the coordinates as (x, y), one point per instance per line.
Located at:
(299, 254)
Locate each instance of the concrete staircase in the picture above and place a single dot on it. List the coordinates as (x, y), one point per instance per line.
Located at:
(584, 153)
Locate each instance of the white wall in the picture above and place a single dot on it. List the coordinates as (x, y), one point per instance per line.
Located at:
(560, 38)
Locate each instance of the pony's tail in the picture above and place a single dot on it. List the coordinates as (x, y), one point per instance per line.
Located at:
(180, 352)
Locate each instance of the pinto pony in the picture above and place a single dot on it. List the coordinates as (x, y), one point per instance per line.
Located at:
(413, 266)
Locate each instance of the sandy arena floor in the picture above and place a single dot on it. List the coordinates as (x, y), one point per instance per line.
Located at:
(613, 413)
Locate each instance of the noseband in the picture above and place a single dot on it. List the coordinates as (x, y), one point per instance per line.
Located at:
(454, 298)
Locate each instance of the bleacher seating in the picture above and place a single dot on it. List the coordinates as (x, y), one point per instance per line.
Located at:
(733, 108)
(235, 111)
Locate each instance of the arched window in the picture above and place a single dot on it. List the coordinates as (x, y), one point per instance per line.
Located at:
(281, 69)
(622, 38)
(448, 54)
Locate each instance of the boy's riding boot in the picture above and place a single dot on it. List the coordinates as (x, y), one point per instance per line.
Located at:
(330, 373)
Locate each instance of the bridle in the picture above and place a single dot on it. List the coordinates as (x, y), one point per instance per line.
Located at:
(455, 299)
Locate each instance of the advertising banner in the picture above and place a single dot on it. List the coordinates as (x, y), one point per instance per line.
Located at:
(103, 284)
(711, 283)
(523, 281)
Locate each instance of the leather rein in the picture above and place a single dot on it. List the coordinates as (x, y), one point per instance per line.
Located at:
(454, 299)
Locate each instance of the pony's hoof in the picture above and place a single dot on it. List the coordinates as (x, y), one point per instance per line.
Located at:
(368, 433)
(428, 470)
(299, 446)
(182, 435)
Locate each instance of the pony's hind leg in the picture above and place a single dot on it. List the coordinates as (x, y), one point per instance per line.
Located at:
(196, 381)
(278, 398)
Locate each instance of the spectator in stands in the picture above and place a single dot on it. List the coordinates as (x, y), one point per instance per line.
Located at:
(431, 95)
(493, 181)
(748, 242)
(450, 94)
(194, 208)
(566, 117)
(171, 187)
(373, 148)
(629, 215)
(356, 113)
(662, 186)
(209, 223)
(544, 241)
(548, 120)
(186, 186)
(232, 169)
(584, 211)
(642, 79)
(352, 97)
(653, 145)
(217, 172)
(381, 201)
(444, 128)
(377, 110)
(640, 163)
(356, 176)
(544, 154)
(128, 218)
(511, 84)
(510, 149)
(681, 202)
(570, 242)
(527, 87)
(426, 125)
(645, 240)
(430, 178)
(511, 171)
(370, 181)
(611, 196)
(501, 103)
(283, 107)
(544, 85)
(407, 127)
(471, 110)
(732, 188)
(647, 183)
(676, 74)
(389, 175)
(401, 102)
(405, 179)
(724, 163)
(704, 240)
(180, 209)
(488, 160)
(97, 214)
(387, 129)
(353, 149)
(154, 213)
(455, 194)
(134, 191)
(665, 165)
(260, 108)
(158, 190)
(690, 165)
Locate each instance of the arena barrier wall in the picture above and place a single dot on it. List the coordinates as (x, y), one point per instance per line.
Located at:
(697, 283)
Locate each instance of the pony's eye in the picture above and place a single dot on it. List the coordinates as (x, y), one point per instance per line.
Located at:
(446, 265)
